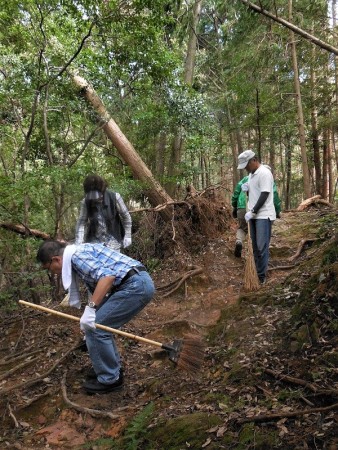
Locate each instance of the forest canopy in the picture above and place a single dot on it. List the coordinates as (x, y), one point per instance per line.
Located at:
(191, 84)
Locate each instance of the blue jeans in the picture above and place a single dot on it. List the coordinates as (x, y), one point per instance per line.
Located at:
(118, 309)
(260, 231)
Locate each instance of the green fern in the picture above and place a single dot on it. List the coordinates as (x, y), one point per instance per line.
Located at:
(135, 432)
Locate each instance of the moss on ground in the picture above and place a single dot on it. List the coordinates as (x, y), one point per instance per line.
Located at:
(188, 431)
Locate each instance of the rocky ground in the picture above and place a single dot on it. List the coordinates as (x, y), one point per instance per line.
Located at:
(267, 381)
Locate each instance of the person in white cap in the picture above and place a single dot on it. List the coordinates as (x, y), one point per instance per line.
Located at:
(238, 202)
(261, 210)
(104, 217)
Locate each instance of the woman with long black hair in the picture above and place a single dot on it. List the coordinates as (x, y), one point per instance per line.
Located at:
(104, 217)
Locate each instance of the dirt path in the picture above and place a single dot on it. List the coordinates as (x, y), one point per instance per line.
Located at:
(41, 417)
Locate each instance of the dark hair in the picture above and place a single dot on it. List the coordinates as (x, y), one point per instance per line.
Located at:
(48, 249)
(94, 183)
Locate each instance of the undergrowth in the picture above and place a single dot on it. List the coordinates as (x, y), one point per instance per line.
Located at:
(133, 435)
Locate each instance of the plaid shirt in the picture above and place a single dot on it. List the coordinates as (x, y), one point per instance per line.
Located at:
(92, 262)
(102, 234)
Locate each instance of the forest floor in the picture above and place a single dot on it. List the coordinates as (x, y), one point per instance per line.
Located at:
(239, 400)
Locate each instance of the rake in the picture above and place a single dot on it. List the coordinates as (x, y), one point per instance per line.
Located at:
(186, 354)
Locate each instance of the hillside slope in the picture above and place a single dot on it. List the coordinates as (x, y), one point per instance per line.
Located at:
(269, 379)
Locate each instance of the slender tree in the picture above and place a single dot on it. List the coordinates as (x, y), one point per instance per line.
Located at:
(298, 98)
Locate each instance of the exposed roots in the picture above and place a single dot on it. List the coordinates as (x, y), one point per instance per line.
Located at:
(193, 222)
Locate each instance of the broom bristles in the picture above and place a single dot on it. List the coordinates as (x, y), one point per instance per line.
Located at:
(191, 355)
(251, 281)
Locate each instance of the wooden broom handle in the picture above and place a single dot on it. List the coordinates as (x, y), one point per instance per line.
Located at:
(246, 205)
(97, 325)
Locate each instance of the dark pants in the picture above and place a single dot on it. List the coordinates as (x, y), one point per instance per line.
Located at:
(260, 231)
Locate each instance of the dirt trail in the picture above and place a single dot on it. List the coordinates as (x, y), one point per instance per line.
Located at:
(196, 306)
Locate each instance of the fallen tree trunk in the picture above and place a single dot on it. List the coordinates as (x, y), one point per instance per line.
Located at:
(310, 201)
(24, 231)
(154, 191)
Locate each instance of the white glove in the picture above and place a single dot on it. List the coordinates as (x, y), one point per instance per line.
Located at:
(249, 215)
(126, 242)
(87, 320)
(245, 187)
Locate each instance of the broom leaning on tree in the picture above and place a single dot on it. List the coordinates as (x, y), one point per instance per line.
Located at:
(261, 211)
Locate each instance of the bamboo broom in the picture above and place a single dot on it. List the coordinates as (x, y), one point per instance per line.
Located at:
(251, 281)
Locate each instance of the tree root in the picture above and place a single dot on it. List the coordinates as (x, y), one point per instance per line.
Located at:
(8, 360)
(165, 291)
(276, 416)
(16, 423)
(92, 412)
(289, 267)
(298, 381)
(16, 368)
(300, 248)
(34, 399)
(41, 377)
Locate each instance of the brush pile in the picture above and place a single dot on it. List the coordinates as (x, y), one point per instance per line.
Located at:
(195, 220)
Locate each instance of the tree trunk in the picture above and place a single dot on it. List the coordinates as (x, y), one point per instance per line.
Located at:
(334, 25)
(175, 159)
(236, 146)
(192, 44)
(326, 151)
(272, 153)
(177, 145)
(288, 154)
(161, 142)
(334, 127)
(330, 168)
(301, 128)
(154, 191)
(314, 131)
(258, 127)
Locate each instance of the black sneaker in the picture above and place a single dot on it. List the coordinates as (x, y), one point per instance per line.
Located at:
(91, 374)
(238, 249)
(95, 387)
(83, 346)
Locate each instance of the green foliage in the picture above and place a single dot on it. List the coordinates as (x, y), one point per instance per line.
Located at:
(133, 53)
(136, 431)
(21, 278)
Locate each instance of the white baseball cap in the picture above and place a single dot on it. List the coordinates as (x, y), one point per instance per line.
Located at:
(244, 158)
